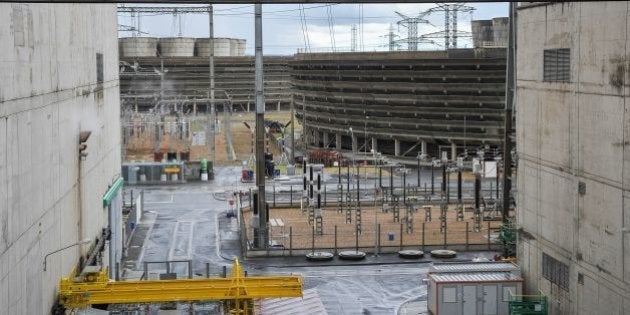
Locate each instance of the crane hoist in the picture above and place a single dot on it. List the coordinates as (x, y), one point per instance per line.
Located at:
(237, 289)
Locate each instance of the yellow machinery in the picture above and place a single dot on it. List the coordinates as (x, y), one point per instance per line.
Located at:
(237, 290)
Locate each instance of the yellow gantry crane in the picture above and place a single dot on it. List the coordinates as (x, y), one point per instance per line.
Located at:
(236, 289)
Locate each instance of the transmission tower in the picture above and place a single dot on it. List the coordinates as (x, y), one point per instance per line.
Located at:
(353, 38)
(451, 11)
(411, 23)
(392, 43)
(392, 38)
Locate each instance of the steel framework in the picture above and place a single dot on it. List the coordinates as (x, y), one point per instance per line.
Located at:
(97, 289)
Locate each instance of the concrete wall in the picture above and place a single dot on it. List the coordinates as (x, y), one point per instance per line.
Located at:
(569, 133)
(48, 93)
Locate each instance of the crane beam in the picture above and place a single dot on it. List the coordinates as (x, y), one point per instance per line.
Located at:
(97, 289)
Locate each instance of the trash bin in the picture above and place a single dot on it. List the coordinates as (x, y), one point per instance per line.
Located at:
(390, 236)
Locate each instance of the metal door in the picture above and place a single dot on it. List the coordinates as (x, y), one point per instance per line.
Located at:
(469, 302)
(490, 299)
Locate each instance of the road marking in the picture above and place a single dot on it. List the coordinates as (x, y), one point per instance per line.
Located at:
(160, 202)
(181, 244)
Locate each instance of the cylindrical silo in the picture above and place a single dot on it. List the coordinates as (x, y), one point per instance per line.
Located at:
(500, 27)
(177, 47)
(233, 47)
(241, 47)
(202, 47)
(222, 47)
(138, 46)
(482, 33)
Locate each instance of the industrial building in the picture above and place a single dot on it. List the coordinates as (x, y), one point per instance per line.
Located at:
(77, 102)
(458, 105)
(573, 149)
(182, 74)
(58, 91)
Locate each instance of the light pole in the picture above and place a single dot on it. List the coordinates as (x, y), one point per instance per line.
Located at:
(85, 241)
(365, 143)
(377, 159)
(353, 159)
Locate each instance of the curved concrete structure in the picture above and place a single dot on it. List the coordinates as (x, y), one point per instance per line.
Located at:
(401, 103)
(138, 46)
(202, 47)
(222, 47)
(241, 46)
(500, 27)
(482, 33)
(233, 47)
(177, 47)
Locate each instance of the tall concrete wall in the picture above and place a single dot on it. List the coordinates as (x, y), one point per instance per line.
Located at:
(572, 134)
(48, 94)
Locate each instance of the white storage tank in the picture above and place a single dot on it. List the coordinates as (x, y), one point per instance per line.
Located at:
(222, 47)
(233, 47)
(202, 47)
(177, 47)
(138, 46)
(240, 51)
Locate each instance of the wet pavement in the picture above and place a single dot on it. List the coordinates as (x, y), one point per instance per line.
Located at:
(189, 222)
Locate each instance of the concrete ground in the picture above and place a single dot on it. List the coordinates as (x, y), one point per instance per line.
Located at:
(188, 222)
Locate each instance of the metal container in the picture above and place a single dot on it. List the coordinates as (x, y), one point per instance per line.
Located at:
(500, 28)
(482, 33)
(138, 46)
(177, 47)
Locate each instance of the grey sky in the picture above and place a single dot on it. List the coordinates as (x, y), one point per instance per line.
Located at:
(283, 32)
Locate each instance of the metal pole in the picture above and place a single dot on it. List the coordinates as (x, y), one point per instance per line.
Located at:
(459, 185)
(401, 236)
(404, 185)
(391, 180)
(260, 128)
(443, 178)
(335, 240)
(211, 73)
(509, 104)
(432, 179)
(466, 235)
(477, 191)
(292, 129)
(418, 173)
(422, 236)
(290, 241)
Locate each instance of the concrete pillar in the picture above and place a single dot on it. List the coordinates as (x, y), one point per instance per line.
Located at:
(325, 136)
(453, 152)
(355, 144)
(248, 107)
(396, 147)
(423, 148)
(374, 144)
(278, 105)
(338, 141)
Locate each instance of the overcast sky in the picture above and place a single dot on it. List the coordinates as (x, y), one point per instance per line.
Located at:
(284, 33)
